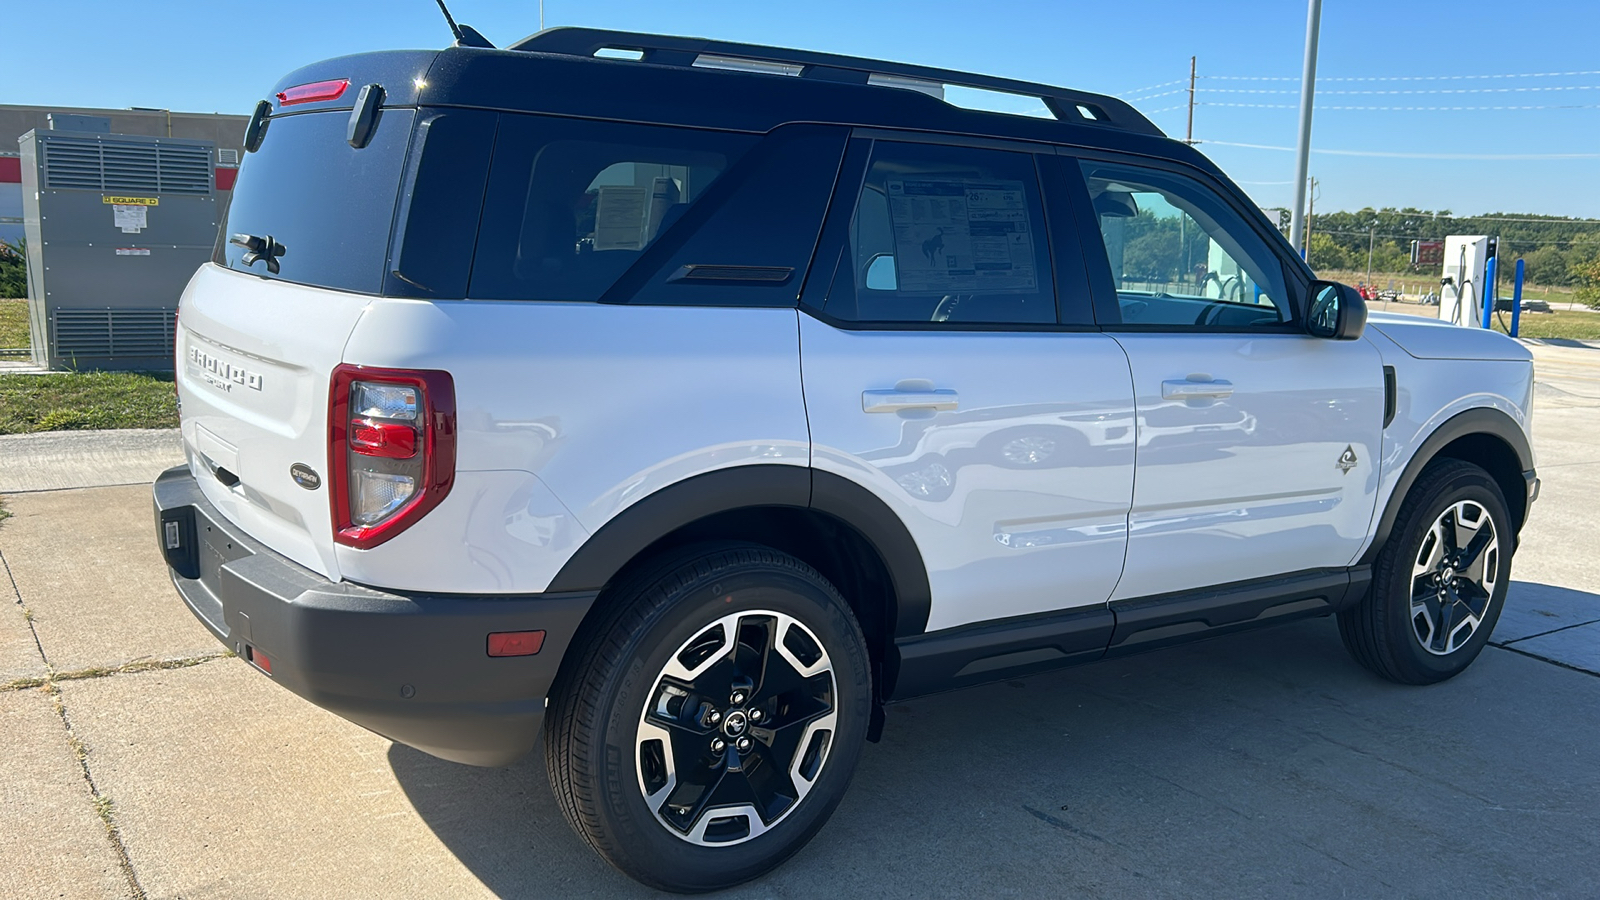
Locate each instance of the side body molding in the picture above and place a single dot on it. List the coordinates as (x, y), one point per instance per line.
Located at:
(648, 520)
(1482, 420)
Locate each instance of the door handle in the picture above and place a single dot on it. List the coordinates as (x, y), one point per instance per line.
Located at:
(1196, 390)
(895, 401)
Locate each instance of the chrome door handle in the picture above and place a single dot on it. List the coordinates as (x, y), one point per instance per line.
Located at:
(895, 401)
(1196, 390)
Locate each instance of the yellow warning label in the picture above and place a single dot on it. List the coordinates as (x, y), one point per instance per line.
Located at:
(131, 201)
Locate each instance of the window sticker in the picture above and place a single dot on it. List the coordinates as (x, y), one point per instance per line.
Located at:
(619, 217)
(953, 235)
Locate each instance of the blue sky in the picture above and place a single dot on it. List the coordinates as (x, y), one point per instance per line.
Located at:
(210, 56)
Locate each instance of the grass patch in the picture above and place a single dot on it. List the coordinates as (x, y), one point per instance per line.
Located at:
(1574, 324)
(80, 400)
(13, 323)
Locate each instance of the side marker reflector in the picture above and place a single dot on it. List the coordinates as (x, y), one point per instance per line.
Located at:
(515, 643)
(258, 658)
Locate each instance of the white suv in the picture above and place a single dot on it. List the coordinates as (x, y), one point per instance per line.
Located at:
(696, 405)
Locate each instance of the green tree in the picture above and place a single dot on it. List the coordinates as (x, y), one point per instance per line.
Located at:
(1327, 254)
(13, 270)
(1588, 275)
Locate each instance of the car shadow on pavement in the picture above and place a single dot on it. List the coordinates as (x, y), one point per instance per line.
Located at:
(1264, 764)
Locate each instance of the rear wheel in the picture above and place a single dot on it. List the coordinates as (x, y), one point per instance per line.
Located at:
(710, 725)
(1439, 583)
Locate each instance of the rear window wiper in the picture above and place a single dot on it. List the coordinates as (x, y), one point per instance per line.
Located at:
(259, 248)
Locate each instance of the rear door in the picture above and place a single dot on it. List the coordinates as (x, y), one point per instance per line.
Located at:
(256, 347)
(1257, 443)
(939, 375)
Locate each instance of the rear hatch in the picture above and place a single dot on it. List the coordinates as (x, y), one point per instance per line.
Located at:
(257, 348)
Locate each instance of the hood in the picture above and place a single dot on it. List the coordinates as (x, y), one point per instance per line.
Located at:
(1433, 339)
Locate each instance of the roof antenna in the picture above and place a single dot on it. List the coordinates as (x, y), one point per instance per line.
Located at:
(466, 35)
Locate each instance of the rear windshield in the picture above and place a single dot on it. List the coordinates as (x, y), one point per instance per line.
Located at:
(328, 205)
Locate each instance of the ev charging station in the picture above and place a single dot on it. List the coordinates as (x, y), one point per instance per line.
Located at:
(1465, 286)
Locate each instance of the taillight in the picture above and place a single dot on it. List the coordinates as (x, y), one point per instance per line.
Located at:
(313, 92)
(391, 449)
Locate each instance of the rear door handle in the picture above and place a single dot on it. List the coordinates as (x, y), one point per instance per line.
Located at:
(1194, 390)
(895, 401)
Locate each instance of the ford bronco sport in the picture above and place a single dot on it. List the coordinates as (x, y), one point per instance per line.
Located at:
(689, 401)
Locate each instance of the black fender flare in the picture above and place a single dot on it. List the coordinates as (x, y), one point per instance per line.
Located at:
(658, 514)
(1482, 420)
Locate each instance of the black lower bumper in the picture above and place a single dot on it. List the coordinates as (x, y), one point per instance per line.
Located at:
(413, 668)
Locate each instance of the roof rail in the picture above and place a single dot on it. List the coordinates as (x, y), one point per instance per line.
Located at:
(1066, 105)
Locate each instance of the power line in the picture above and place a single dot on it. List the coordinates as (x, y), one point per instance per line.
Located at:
(1396, 154)
(1505, 90)
(1154, 96)
(1405, 108)
(1402, 77)
(1150, 88)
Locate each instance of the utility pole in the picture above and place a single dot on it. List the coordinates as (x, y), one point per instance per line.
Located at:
(1302, 154)
(1372, 236)
(1311, 208)
(1188, 135)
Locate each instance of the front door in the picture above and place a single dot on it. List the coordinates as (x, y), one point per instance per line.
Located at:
(937, 374)
(1258, 444)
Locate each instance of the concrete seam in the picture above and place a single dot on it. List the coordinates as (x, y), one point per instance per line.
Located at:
(102, 804)
(128, 668)
(1543, 633)
(1545, 659)
(74, 487)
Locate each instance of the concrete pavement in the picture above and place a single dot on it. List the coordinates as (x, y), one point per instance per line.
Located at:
(56, 460)
(1258, 765)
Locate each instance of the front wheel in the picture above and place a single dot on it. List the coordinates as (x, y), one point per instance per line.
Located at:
(709, 726)
(1439, 583)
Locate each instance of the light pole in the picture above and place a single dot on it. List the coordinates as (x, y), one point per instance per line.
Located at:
(1302, 153)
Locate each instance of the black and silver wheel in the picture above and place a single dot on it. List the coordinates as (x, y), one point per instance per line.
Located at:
(708, 727)
(1439, 583)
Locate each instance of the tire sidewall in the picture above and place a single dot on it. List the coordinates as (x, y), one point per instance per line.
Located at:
(693, 608)
(1470, 484)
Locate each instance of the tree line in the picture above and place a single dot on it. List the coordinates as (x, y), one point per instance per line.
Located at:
(1556, 251)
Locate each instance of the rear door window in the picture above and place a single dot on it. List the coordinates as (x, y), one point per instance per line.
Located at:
(328, 205)
(946, 236)
(572, 204)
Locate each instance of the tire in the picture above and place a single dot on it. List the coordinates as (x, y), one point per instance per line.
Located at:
(1425, 618)
(634, 724)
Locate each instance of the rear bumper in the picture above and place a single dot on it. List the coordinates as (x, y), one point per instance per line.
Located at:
(413, 668)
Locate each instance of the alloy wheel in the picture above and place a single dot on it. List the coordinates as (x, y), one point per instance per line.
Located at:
(737, 728)
(1454, 576)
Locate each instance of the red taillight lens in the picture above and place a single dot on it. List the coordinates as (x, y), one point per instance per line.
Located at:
(389, 440)
(313, 92)
(391, 450)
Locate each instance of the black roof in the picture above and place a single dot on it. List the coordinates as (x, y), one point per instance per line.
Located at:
(556, 72)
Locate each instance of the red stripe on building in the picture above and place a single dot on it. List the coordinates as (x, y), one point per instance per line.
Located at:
(225, 179)
(11, 170)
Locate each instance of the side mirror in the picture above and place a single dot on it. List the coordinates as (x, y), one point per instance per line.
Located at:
(1337, 311)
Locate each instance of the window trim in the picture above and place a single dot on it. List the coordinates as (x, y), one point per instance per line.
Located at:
(834, 243)
(1096, 258)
